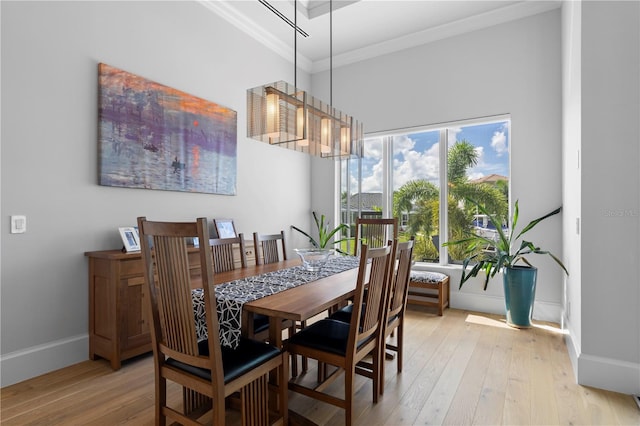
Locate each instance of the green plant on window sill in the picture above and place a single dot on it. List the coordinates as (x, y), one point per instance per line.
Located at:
(324, 233)
(503, 255)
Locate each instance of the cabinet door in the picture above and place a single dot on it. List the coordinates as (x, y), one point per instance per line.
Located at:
(136, 321)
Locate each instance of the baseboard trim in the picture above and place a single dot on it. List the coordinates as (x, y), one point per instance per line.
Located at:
(542, 311)
(21, 365)
(609, 374)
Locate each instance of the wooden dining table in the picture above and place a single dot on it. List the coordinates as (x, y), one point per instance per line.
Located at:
(299, 303)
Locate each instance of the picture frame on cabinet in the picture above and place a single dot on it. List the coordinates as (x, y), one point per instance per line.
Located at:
(130, 238)
(225, 228)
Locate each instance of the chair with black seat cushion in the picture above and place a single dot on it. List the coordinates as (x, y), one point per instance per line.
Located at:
(397, 301)
(266, 247)
(208, 372)
(374, 232)
(344, 345)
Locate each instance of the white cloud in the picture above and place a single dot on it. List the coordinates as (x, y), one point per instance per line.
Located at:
(452, 135)
(416, 165)
(499, 142)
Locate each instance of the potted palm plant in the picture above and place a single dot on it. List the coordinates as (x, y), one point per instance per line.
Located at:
(314, 258)
(503, 254)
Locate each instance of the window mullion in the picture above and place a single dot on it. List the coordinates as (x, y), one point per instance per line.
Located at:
(444, 195)
(387, 173)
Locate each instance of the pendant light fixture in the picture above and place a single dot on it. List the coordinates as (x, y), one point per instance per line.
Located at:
(281, 114)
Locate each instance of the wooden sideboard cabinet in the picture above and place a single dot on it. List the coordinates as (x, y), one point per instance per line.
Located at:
(118, 318)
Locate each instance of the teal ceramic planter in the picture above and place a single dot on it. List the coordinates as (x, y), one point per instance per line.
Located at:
(519, 293)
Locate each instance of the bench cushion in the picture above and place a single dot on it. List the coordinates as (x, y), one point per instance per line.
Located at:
(427, 277)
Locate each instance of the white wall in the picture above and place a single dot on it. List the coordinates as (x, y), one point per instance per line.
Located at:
(609, 348)
(509, 68)
(50, 52)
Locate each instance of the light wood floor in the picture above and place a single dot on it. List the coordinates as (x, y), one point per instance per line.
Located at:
(460, 369)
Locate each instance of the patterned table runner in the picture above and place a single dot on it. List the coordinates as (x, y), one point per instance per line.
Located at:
(232, 295)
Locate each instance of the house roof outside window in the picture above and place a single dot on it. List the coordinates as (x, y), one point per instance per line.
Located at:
(369, 202)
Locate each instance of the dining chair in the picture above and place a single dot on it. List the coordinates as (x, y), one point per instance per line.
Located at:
(374, 232)
(394, 318)
(223, 250)
(266, 247)
(224, 260)
(208, 372)
(343, 345)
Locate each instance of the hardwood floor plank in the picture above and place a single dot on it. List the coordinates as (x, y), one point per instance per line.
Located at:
(435, 408)
(463, 406)
(624, 413)
(433, 359)
(517, 403)
(490, 408)
(571, 409)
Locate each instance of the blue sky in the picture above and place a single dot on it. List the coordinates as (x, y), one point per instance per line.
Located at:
(416, 155)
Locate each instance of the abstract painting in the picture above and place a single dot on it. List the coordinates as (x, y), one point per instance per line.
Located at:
(155, 137)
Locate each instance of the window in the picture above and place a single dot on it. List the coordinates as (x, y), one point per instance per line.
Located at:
(402, 174)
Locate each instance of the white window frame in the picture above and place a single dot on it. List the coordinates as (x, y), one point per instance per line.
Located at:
(443, 145)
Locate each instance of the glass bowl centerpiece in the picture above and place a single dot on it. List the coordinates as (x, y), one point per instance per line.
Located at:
(314, 258)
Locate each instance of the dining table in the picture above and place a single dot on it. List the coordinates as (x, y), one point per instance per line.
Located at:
(282, 291)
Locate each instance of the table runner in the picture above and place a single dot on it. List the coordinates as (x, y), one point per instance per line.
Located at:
(231, 296)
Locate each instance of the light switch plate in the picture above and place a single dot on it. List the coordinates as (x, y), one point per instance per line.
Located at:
(18, 224)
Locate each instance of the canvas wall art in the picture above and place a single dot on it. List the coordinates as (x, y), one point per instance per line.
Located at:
(155, 137)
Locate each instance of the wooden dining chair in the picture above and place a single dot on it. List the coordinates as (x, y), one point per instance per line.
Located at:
(208, 372)
(266, 247)
(374, 232)
(397, 305)
(344, 345)
(224, 259)
(267, 251)
(224, 249)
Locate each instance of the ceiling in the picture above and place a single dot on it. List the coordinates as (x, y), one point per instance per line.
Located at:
(365, 28)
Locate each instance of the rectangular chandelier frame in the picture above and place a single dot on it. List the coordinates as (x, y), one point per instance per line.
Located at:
(280, 114)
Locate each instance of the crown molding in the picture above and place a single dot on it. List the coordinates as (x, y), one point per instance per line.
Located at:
(250, 27)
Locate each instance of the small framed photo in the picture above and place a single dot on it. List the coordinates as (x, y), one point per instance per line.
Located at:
(130, 238)
(225, 228)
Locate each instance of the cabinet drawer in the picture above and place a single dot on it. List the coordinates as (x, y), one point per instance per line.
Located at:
(131, 267)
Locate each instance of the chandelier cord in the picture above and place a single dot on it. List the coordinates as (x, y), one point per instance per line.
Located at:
(331, 52)
(295, 43)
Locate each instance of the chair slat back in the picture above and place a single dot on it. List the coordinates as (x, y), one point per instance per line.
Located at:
(168, 277)
(375, 232)
(369, 305)
(266, 248)
(400, 287)
(175, 304)
(223, 253)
